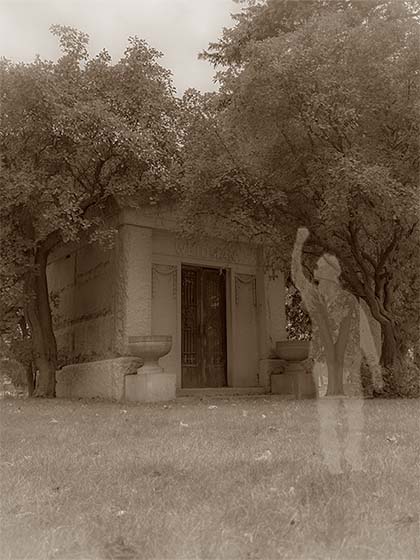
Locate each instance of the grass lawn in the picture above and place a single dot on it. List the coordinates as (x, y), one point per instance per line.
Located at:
(218, 478)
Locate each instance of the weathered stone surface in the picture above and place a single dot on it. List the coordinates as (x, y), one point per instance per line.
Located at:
(296, 380)
(245, 330)
(101, 379)
(137, 299)
(269, 367)
(81, 283)
(298, 385)
(282, 384)
(165, 301)
(153, 387)
(204, 249)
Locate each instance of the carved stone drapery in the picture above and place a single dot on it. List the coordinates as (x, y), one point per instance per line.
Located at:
(164, 270)
(246, 279)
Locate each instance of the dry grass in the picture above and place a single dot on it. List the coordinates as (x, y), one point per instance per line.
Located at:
(97, 480)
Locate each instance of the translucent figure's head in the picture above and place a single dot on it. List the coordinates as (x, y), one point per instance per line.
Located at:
(327, 268)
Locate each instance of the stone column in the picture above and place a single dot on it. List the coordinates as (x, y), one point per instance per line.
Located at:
(275, 308)
(134, 284)
(272, 320)
(134, 296)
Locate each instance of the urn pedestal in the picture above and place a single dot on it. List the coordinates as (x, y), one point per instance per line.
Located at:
(295, 376)
(151, 383)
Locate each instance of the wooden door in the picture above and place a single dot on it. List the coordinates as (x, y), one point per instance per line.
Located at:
(203, 327)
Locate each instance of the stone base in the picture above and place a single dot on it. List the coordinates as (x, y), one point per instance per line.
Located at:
(269, 367)
(102, 379)
(300, 385)
(150, 387)
(220, 391)
(296, 380)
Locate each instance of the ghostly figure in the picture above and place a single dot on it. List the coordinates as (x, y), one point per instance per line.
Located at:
(332, 311)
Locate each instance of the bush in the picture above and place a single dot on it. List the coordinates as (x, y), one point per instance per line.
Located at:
(14, 371)
(404, 380)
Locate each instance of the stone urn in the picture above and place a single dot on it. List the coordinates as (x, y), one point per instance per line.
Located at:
(150, 349)
(151, 383)
(296, 378)
(293, 350)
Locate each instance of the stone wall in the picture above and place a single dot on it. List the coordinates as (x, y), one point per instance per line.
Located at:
(104, 379)
(81, 283)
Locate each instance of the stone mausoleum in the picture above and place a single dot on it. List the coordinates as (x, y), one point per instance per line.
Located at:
(215, 299)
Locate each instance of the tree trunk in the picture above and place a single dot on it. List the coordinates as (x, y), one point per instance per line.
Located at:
(389, 348)
(30, 370)
(38, 313)
(30, 378)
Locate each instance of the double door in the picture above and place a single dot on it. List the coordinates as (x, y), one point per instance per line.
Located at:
(203, 336)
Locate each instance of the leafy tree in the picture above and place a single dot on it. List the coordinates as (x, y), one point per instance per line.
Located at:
(317, 125)
(15, 340)
(298, 322)
(263, 19)
(76, 135)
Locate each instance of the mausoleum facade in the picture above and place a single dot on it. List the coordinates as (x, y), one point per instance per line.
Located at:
(215, 298)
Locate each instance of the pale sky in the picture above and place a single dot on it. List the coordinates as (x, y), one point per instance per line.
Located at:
(180, 29)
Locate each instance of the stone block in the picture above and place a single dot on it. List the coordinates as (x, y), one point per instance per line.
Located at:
(307, 388)
(297, 383)
(101, 379)
(282, 384)
(150, 387)
(269, 367)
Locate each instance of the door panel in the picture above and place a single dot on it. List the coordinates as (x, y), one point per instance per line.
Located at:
(190, 355)
(214, 327)
(203, 327)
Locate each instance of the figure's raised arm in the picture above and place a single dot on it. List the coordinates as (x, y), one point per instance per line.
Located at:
(298, 276)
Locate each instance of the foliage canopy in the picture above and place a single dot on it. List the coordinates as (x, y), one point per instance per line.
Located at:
(316, 124)
(76, 136)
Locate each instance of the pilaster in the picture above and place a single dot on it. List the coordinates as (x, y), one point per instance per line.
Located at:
(271, 311)
(271, 318)
(134, 284)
